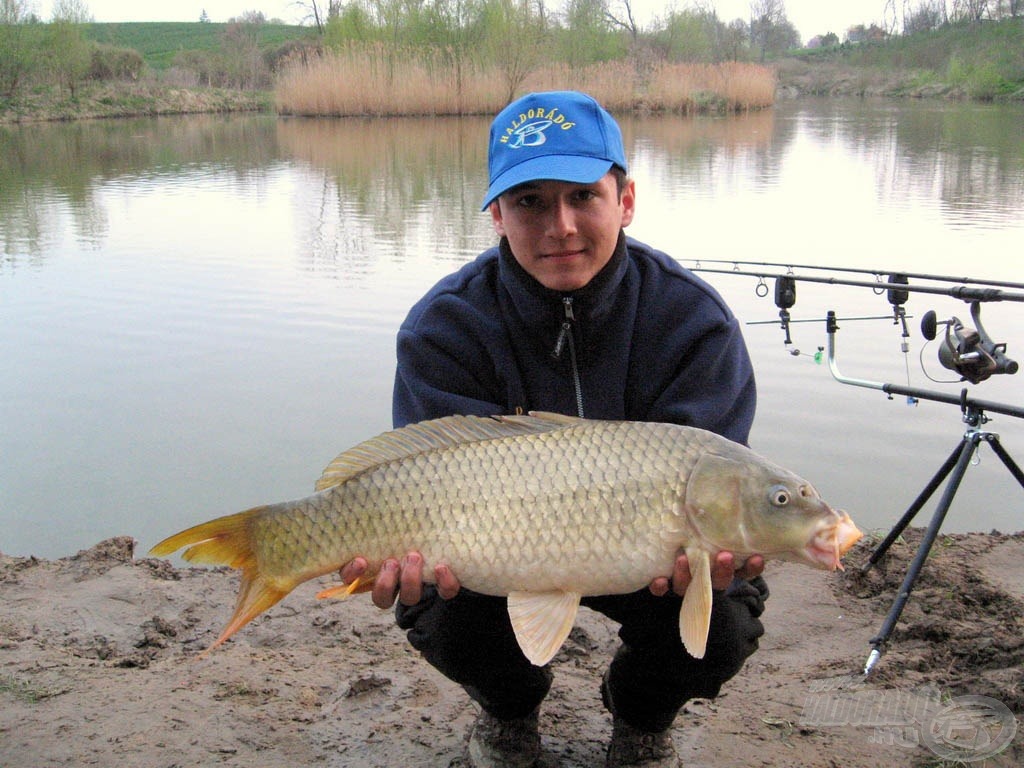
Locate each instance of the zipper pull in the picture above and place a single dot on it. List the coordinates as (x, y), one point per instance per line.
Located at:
(563, 335)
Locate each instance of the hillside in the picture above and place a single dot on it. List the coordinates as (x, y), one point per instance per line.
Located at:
(159, 42)
(981, 60)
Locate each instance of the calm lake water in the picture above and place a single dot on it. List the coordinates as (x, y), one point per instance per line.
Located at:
(198, 313)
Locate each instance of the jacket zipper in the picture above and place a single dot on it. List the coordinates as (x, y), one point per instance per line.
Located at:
(565, 336)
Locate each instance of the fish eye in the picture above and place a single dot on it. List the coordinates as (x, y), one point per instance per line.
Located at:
(778, 495)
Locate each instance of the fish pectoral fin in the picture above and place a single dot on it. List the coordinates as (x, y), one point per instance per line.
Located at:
(695, 614)
(542, 621)
(345, 591)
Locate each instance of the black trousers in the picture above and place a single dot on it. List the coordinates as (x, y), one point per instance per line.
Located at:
(469, 639)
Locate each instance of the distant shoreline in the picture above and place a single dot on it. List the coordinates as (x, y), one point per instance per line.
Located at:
(125, 100)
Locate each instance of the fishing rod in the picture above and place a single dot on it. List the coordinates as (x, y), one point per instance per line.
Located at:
(970, 352)
(964, 292)
(860, 270)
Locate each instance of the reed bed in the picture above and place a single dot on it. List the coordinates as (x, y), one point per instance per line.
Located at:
(729, 87)
(375, 80)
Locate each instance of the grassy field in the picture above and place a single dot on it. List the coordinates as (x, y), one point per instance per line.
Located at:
(159, 42)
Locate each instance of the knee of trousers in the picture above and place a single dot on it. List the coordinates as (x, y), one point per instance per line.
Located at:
(469, 639)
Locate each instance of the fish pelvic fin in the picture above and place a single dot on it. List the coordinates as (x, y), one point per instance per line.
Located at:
(345, 591)
(541, 622)
(228, 541)
(695, 613)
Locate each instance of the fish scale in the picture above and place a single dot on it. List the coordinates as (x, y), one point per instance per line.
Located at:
(479, 521)
(542, 508)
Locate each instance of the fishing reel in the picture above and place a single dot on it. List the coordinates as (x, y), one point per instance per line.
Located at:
(968, 351)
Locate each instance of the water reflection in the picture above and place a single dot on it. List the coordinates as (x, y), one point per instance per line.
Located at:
(705, 156)
(402, 185)
(967, 159)
(52, 174)
(375, 182)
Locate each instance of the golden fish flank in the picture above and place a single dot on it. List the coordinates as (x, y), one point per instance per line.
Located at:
(542, 508)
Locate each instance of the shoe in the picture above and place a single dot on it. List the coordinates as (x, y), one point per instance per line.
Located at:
(498, 743)
(632, 747)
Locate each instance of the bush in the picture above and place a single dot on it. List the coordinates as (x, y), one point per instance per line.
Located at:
(109, 62)
(984, 82)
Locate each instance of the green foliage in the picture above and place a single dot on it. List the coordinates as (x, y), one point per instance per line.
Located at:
(984, 60)
(20, 56)
(68, 55)
(515, 37)
(981, 80)
(588, 36)
(688, 36)
(353, 24)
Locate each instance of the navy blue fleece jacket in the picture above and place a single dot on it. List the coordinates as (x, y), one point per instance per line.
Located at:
(645, 340)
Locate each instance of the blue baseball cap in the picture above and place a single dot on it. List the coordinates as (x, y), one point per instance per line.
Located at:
(558, 135)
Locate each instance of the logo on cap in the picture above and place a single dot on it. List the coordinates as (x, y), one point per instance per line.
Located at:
(531, 134)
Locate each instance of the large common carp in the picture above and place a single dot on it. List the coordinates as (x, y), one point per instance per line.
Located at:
(542, 508)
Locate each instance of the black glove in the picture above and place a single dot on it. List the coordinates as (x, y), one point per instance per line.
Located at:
(751, 593)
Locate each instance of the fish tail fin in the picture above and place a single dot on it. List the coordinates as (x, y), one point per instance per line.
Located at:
(228, 541)
(254, 597)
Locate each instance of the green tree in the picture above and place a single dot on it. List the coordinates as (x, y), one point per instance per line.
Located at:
(352, 23)
(589, 36)
(513, 35)
(688, 36)
(20, 46)
(69, 55)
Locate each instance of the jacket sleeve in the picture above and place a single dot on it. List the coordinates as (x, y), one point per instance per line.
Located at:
(712, 385)
(432, 381)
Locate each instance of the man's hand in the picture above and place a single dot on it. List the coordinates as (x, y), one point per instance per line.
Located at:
(403, 580)
(723, 570)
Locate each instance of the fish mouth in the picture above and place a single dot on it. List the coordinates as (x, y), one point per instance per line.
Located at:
(831, 540)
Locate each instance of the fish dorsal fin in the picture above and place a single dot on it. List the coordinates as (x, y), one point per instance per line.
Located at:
(432, 435)
(543, 421)
(695, 614)
(542, 621)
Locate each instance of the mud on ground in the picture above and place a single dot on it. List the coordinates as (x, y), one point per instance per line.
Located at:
(99, 666)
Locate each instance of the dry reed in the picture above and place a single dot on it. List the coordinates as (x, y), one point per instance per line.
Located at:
(377, 81)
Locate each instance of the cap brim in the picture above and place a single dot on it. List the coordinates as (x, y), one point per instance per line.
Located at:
(571, 168)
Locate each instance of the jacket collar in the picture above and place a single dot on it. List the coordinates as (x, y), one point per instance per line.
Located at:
(540, 306)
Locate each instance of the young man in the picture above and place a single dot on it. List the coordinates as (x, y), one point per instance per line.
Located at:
(566, 314)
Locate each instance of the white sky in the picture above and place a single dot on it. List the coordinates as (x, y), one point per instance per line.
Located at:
(810, 17)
